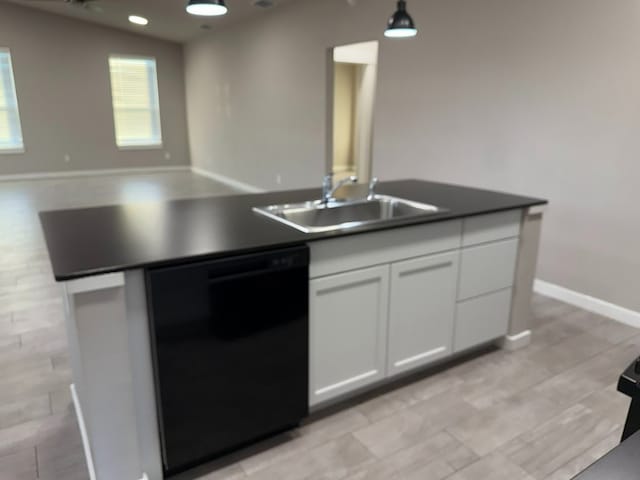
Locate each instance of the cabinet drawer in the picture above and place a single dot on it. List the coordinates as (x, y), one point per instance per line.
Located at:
(482, 319)
(363, 250)
(495, 226)
(487, 268)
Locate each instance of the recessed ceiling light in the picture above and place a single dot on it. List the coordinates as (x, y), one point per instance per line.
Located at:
(138, 20)
(263, 3)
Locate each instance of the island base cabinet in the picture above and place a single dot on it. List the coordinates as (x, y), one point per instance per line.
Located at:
(393, 302)
(348, 316)
(482, 319)
(422, 311)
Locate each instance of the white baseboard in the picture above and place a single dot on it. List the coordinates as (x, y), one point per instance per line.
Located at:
(88, 173)
(515, 342)
(83, 432)
(230, 182)
(586, 302)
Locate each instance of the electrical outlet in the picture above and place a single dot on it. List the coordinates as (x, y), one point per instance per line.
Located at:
(167, 155)
(67, 158)
(279, 179)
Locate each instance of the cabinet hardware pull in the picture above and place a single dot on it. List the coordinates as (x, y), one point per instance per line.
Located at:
(425, 269)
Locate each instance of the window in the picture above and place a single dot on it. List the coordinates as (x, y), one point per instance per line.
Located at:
(10, 131)
(136, 109)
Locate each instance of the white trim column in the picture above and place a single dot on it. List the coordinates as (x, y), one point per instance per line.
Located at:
(519, 333)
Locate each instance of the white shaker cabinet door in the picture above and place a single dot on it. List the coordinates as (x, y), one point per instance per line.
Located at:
(348, 320)
(422, 311)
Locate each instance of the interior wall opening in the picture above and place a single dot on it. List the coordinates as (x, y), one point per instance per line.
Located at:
(354, 70)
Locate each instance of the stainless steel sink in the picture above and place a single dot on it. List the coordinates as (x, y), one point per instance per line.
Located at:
(316, 216)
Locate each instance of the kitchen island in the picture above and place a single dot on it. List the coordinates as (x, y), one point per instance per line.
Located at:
(475, 263)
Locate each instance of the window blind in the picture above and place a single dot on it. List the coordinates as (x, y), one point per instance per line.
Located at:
(136, 108)
(10, 130)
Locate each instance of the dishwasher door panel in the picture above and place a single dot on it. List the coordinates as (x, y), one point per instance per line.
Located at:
(231, 356)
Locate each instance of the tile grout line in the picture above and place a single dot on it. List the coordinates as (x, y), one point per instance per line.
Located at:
(35, 448)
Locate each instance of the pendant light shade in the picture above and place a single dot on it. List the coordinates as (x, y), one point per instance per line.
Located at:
(207, 8)
(401, 24)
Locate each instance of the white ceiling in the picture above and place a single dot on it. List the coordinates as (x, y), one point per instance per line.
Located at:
(167, 18)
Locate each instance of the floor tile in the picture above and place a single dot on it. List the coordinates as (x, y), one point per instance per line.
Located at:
(557, 441)
(332, 460)
(586, 458)
(24, 410)
(299, 441)
(494, 467)
(569, 352)
(20, 465)
(413, 425)
(492, 427)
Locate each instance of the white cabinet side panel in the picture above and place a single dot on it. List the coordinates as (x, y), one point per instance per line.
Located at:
(107, 390)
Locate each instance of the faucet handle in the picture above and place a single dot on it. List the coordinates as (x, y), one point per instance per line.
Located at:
(327, 181)
(372, 186)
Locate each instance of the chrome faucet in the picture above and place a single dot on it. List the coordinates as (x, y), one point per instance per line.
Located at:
(328, 189)
(372, 186)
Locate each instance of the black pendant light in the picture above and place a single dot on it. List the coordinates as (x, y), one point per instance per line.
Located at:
(401, 24)
(207, 8)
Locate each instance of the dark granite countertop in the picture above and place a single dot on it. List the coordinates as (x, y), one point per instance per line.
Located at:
(92, 241)
(621, 463)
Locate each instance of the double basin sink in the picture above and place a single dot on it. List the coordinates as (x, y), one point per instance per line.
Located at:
(318, 216)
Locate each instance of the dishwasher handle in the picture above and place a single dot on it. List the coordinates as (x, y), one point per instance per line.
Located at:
(258, 264)
(242, 275)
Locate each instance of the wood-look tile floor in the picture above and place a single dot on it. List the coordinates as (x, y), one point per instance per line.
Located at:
(544, 412)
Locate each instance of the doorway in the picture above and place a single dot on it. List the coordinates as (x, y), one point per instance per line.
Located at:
(354, 71)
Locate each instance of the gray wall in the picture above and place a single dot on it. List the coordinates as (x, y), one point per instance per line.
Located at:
(62, 80)
(535, 97)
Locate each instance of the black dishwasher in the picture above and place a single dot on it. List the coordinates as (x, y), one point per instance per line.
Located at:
(230, 342)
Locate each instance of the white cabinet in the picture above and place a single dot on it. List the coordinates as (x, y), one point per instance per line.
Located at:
(348, 331)
(421, 311)
(385, 303)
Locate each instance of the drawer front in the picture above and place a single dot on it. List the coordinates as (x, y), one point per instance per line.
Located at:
(487, 268)
(367, 249)
(488, 228)
(482, 319)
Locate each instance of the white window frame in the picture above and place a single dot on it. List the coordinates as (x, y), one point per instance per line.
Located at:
(154, 85)
(11, 83)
